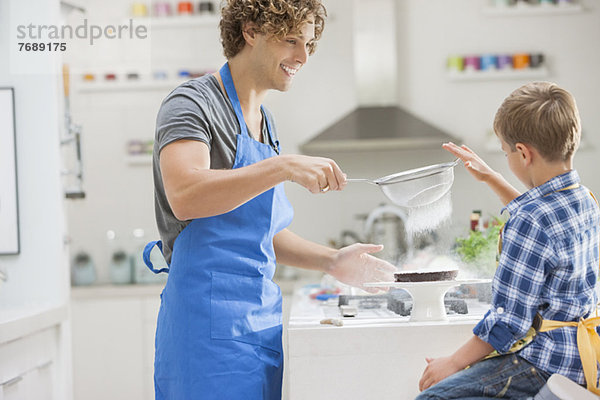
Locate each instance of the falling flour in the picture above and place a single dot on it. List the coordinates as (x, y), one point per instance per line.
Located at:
(428, 217)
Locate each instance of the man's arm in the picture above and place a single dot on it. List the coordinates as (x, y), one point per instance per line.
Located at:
(352, 265)
(440, 368)
(195, 191)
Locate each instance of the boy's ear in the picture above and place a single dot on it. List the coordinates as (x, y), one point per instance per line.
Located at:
(249, 31)
(525, 153)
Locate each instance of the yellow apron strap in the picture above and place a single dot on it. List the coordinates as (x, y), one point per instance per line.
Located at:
(596, 200)
(588, 341)
(588, 344)
(573, 186)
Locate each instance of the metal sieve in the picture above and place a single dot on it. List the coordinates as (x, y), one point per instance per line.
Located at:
(416, 187)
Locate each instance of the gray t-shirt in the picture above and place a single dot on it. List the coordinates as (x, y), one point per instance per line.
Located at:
(196, 110)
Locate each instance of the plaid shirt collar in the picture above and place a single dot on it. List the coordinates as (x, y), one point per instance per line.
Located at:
(558, 182)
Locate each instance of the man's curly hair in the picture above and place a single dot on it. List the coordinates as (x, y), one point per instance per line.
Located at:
(274, 17)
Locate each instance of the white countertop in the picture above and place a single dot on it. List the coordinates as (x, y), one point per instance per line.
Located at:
(23, 321)
(111, 291)
(307, 314)
(142, 290)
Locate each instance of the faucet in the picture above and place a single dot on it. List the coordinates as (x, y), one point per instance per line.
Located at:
(377, 213)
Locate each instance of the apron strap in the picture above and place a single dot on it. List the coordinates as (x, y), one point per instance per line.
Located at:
(573, 186)
(588, 345)
(268, 122)
(588, 341)
(148, 262)
(227, 79)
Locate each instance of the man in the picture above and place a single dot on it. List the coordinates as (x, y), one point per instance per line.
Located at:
(222, 212)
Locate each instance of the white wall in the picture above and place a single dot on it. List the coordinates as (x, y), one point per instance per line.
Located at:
(427, 32)
(119, 196)
(38, 275)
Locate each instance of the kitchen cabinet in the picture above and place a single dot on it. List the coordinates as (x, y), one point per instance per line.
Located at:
(113, 341)
(32, 364)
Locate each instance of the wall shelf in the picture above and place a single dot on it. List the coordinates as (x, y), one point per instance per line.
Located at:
(530, 73)
(140, 159)
(532, 10)
(108, 86)
(180, 21)
(71, 5)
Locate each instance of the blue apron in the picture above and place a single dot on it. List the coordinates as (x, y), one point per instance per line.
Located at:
(219, 326)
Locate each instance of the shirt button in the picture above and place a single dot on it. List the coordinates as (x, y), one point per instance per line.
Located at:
(515, 361)
(500, 310)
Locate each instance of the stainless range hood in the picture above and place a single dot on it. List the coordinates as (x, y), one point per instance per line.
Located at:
(377, 128)
(377, 123)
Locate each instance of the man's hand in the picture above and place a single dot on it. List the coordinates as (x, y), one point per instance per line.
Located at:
(317, 174)
(437, 369)
(353, 265)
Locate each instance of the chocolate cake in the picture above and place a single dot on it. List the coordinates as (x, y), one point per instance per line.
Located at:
(425, 276)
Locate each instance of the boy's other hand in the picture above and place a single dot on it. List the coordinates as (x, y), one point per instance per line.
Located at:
(474, 164)
(437, 370)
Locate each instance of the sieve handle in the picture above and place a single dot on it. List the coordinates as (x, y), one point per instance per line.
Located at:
(361, 180)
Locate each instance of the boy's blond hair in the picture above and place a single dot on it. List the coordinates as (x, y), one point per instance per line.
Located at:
(275, 17)
(542, 115)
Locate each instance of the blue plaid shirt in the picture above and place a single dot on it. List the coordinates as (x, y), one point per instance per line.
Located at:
(548, 265)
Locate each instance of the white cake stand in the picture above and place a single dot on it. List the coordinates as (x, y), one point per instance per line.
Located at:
(428, 297)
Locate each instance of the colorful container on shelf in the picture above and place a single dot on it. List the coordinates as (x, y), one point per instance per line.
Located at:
(156, 76)
(139, 10)
(163, 9)
(531, 3)
(185, 8)
(206, 7)
(505, 61)
(520, 61)
(488, 62)
(536, 60)
(456, 63)
(472, 63)
(494, 62)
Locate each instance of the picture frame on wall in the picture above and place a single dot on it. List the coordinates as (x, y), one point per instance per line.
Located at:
(9, 204)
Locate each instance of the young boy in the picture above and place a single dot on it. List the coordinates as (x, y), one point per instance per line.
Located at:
(548, 264)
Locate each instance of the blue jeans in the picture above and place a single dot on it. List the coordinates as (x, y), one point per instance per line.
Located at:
(508, 377)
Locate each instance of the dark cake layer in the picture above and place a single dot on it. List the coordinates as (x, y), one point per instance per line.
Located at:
(425, 276)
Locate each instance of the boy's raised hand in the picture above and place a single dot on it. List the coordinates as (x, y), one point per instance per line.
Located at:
(474, 164)
(482, 172)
